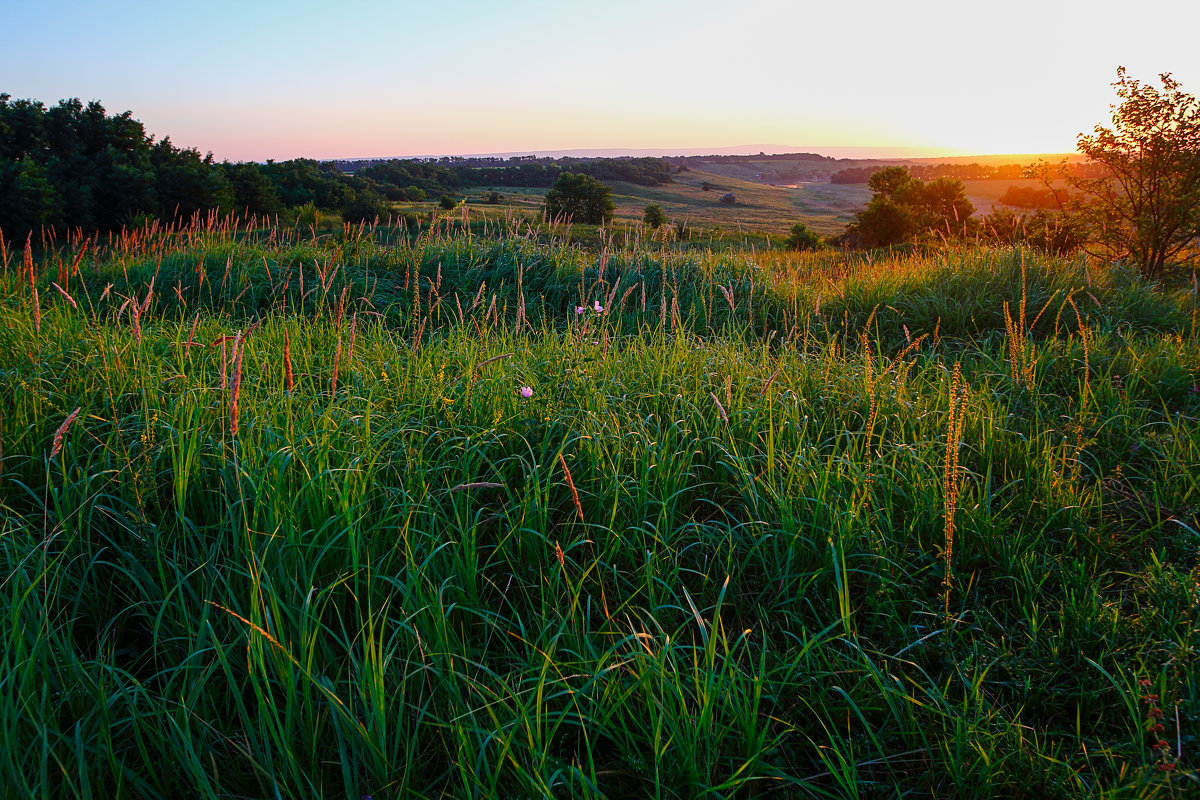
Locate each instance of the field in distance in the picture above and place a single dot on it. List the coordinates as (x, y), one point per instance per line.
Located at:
(822, 206)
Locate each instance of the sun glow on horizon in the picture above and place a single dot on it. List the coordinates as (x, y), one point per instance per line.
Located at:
(465, 77)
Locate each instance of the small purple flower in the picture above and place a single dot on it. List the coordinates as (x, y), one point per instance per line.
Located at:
(526, 392)
(597, 307)
(579, 310)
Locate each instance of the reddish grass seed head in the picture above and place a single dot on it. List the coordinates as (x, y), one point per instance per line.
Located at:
(59, 434)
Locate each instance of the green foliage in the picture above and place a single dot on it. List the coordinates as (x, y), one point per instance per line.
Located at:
(186, 184)
(446, 202)
(1033, 197)
(1048, 231)
(367, 206)
(74, 167)
(28, 201)
(1145, 205)
(579, 198)
(801, 238)
(252, 191)
(307, 215)
(654, 216)
(903, 208)
(727, 199)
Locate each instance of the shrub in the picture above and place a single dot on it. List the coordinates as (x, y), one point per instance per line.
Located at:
(802, 238)
(654, 216)
(367, 206)
(307, 215)
(579, 198)
(728, 199)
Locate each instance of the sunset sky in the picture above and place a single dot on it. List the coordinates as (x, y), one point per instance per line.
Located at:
(255, 80)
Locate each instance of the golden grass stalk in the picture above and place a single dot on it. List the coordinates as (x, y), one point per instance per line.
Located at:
(239, 349)
(287, 360)
(952, 476)
(74, 269)
(728, 293)
(1085, 336)
(571, 484)
(27, 259)
(771, 380)
(337, 359)
(57, 443)
(720, 408)
(68, 297)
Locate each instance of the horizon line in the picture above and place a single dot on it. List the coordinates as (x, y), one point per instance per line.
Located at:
(837, 152)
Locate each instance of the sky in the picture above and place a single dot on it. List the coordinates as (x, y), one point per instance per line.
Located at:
(260, 79)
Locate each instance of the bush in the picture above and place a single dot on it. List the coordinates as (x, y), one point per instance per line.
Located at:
(728, 199)
(367, 206)
(307, 215)
(802, 238)
(579, 198)
(654, 216)
(446, 202)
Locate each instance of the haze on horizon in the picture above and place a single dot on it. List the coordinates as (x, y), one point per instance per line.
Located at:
(252, 81)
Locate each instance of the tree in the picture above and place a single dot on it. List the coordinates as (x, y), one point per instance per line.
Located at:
(903, 207)
(367, 206)
(1144, 206)
(252, 190)
(654, 216)
(802, 238)
(579, 198)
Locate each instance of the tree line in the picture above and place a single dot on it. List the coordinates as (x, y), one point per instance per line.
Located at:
(74, 166)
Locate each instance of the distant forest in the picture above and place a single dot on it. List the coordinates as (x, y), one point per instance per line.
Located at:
(76, 167)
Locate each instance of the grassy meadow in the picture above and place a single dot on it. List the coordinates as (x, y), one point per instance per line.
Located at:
(826, 208)
(479, 512)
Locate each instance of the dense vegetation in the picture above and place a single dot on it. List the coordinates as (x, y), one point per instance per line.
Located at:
(478, 513)
(73, 167)
(530, 171)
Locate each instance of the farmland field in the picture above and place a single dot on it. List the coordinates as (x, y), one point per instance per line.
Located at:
(823, 207)
(478, 512)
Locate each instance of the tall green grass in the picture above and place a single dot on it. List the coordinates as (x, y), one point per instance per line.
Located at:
(708, 557)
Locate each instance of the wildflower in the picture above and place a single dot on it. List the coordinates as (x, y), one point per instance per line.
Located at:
(579, 310)
(599, 309)
(526, 392)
